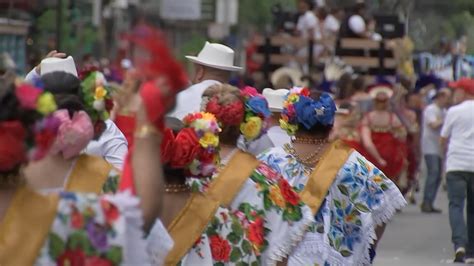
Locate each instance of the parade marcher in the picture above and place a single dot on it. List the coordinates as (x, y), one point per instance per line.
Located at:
(275, 99)
(383, 135)
(67, 228)
(433, 119)
(457, 135)
(213, 65)
(111, 143)
(350, 198)
(244, 118)
(64, 167)
(235, 233)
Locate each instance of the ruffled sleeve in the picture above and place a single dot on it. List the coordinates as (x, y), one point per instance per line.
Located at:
(92, 230)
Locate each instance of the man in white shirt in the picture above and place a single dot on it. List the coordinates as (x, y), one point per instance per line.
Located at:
(458, 135)
(433, 118)
(307, 22)
(213, 65)
(332, 23)
(112, 144)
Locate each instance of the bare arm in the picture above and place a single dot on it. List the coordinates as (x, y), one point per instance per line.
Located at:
(444, 145)
(369, 145)
(147, 171)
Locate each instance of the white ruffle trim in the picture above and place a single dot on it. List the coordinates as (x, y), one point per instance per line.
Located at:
(134, 245)
(279, 251)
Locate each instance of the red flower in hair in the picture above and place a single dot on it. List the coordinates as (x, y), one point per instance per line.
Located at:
(249, 91)
(305, 92)
(232, 114)
(109, 105)
(167, 145)
(12, 149)
(28, 96)
(185, 149)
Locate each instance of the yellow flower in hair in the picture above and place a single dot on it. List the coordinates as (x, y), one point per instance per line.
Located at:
(251, 129)
(46, 103)
(100, 93)
(208, 116)
(209, 139)
(289, 128)
(292, 98)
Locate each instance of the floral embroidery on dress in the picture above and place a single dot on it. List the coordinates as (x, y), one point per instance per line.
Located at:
(85, 232)
(277, 193)
(235, 237)
(360, 198)
(112, 182)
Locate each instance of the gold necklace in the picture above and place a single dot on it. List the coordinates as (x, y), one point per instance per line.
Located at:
(311, 160)
(306, 140)
(176, 188)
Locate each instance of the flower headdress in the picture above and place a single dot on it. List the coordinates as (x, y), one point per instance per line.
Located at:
(257, 113)
(195, 148)
(97, 97)
(300, 109)
(15, 140)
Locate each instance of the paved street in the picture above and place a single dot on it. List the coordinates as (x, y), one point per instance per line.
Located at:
(413, 238)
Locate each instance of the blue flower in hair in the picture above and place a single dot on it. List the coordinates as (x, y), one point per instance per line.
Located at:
(259, 106)
(305, 112)
(310, 112)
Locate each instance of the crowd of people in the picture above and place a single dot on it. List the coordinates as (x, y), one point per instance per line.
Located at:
(159, 168)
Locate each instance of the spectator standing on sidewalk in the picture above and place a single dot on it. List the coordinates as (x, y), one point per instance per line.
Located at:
(433, 118)
(458, 135)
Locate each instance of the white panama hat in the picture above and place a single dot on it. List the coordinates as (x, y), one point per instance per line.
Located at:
(217, 56)
(275, 98)
(53, 64)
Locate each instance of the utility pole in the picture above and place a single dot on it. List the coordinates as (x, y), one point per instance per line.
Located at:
(59, 18)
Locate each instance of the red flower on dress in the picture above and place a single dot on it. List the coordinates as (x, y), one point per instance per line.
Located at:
(110, 210)
(220, 248)
(186, 147)
(71, 258)
(97, 261)
(288, 193)
(268, 172)
(77, 220)
(256, 232)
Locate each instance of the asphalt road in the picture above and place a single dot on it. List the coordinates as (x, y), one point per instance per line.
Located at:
(413, 238)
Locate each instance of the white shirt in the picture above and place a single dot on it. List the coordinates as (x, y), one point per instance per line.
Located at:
(357, 24)
(306, 22)
(331, 24)
(430, 137)
(189, 100)
(112, 145)
(459, 128)
(278, 136)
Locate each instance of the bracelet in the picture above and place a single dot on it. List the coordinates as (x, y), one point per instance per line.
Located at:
(145, 131)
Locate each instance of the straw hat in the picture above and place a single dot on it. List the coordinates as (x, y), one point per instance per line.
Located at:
(275, 98)
(53, 64)
(217, 56)
(380, 88)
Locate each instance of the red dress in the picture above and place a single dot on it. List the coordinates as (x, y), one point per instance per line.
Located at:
(126, 124)
(390, 148)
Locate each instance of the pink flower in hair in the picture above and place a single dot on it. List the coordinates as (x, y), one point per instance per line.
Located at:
(73, 134)
(27, 95)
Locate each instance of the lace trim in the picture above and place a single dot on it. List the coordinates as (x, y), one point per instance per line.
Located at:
(298, 230)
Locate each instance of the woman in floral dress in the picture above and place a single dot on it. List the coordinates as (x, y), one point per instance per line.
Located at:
(66, 228)
(69, 130)
(348, 195)
(69, 228)
(249, 188)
